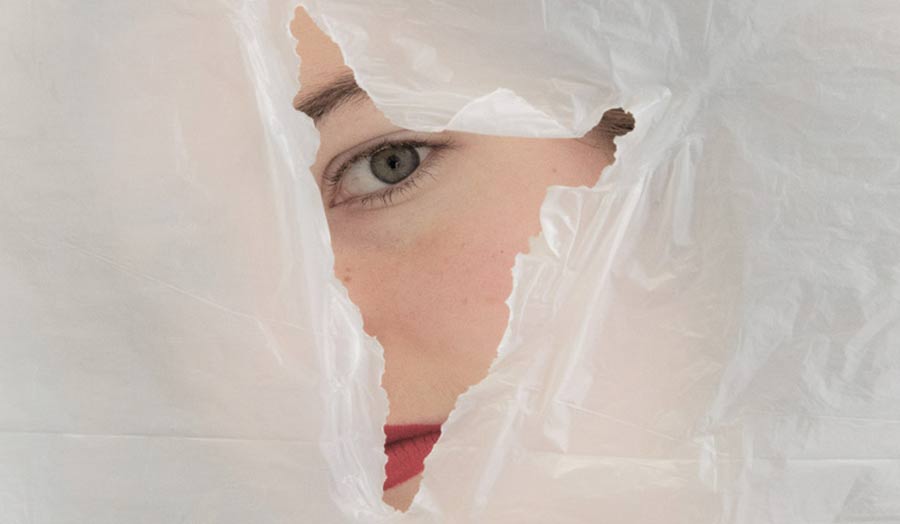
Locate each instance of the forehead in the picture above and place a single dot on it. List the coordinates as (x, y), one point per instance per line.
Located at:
(320, 58)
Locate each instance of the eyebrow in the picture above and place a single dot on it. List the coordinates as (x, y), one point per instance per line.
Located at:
(342, 90)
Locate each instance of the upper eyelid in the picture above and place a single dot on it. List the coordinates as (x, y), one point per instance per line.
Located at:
(372, 145)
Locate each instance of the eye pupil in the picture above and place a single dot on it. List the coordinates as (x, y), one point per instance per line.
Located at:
(392, 164)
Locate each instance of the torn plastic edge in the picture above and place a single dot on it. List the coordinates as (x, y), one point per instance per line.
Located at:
(343, 491)
(470, 117)
(539, 248)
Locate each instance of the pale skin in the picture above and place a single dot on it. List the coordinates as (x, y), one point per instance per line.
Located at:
(430, 266)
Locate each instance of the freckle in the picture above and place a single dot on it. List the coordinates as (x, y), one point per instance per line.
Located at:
(465, 300)
(346, 278)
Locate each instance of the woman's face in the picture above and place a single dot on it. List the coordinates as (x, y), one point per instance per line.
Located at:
(425, 228)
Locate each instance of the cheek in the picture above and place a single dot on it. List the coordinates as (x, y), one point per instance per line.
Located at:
(444, 292)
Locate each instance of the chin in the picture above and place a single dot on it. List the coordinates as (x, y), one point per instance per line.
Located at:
(401, 496)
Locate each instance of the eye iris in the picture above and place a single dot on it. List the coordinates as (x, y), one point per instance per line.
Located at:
(393, 164)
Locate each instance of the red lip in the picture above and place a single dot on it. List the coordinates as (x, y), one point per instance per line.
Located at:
(406, 447)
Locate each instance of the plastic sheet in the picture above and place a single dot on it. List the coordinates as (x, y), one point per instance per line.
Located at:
(711, 334)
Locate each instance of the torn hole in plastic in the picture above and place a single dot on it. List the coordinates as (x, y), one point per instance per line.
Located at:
(431, 274)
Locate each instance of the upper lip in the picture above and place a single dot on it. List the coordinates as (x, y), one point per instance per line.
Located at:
(397, 432)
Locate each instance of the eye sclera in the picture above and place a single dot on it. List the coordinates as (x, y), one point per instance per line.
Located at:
(333, 177)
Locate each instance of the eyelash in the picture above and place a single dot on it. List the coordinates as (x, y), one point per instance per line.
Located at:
(387, 195)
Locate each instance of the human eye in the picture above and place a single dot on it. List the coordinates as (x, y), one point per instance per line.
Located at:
(378, 173)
